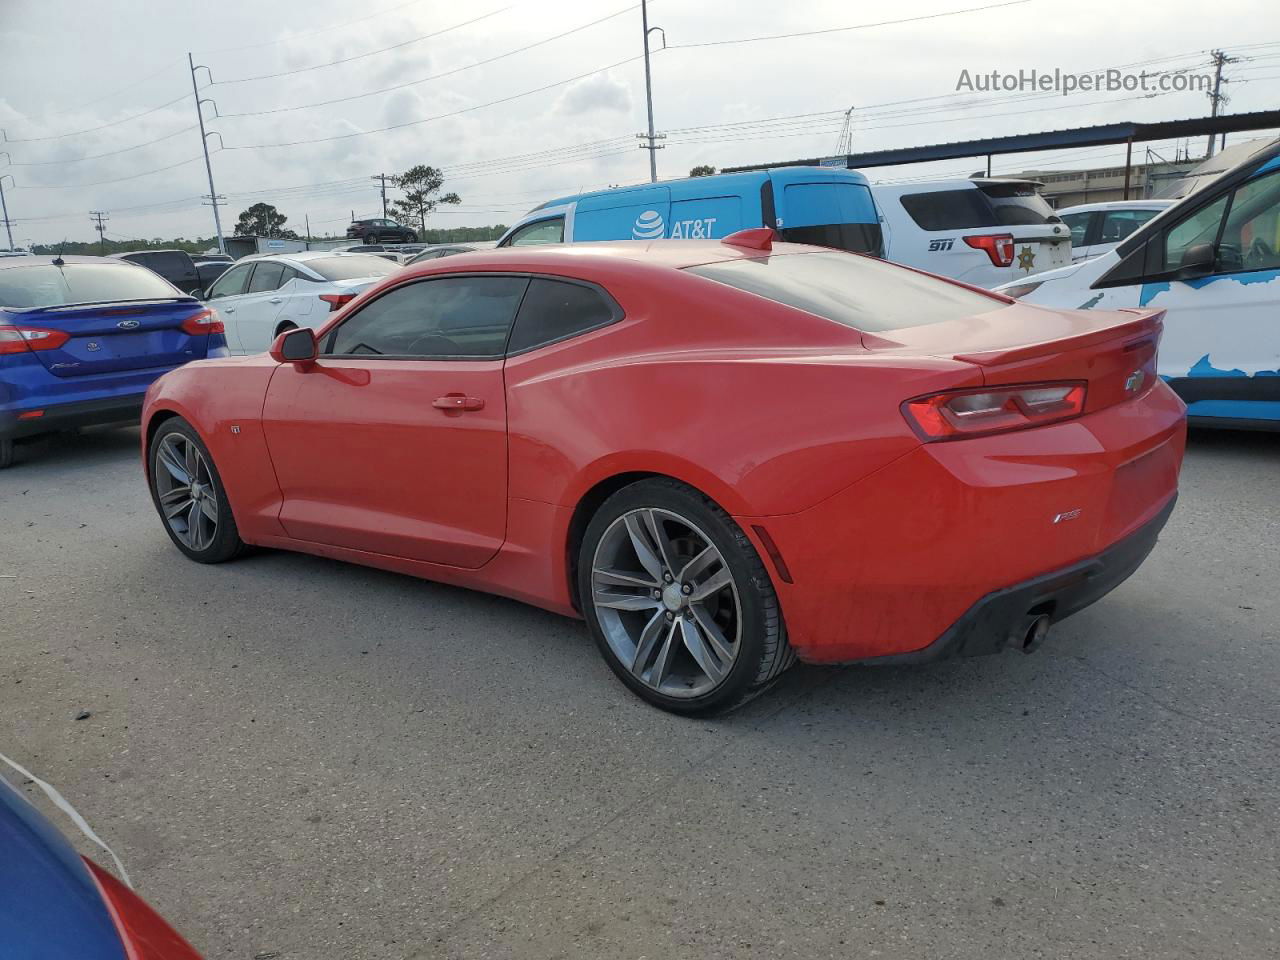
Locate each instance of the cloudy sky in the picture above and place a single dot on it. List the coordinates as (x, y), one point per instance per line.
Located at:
(314, 96)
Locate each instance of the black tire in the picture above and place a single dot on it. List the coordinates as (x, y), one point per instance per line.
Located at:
(762, 649)
(284, 328)
(369, 239)
(225, 543)
(6, 453)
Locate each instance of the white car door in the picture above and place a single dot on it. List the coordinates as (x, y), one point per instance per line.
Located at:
(224, 297)
(257, 309)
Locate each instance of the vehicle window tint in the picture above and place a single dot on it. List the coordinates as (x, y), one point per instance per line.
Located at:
(854, 237)
(1118, 224)
(1078, 224)
(949, 209)
(1018, 204)
(289, 274)
(859, 292)
(553, 310)
(46, 285)
(1251, 236)
(351, 267)
(544, 231)
(266, 276)
(449, 317)
(1200, 227)
(231, 283)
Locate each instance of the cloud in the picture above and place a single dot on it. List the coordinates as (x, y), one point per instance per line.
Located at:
(601, 92)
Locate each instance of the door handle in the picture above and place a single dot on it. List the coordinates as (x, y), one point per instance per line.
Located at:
(228, 309)
(277, 300)
(456, 401)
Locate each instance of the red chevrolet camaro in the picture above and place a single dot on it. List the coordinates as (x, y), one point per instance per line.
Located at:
(722, 455)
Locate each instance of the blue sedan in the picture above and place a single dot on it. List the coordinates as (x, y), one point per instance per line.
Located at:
(81, 339)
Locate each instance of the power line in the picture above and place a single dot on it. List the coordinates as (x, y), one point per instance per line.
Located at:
(314, 33)
(858, 26)
(104, 126)
(362, 56)
(99, 156)
(99, 183)
(437, 76)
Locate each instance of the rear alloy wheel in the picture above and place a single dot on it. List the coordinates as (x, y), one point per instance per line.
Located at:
(678, 600)
(6, 453)
(189, 496)
(370, 239)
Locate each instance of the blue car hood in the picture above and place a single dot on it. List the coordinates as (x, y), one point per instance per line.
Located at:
(50, 908)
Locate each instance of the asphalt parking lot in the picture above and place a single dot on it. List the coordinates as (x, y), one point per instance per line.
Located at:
(301, 759)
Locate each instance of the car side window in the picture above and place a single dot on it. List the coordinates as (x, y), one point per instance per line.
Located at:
(231, 283)
(266, 277)
(446, 318)
(1251, 235)
(544, 231)
(1118, 224)
(1200, 227)
(555, 310)
(289, 274)
(1078, 223)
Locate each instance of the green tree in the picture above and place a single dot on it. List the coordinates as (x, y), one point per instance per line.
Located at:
(421, 184)
(263, 220)
(703, 170)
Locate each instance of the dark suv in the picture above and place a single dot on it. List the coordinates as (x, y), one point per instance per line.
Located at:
(381, 231)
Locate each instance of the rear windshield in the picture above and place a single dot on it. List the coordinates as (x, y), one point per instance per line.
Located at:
(352, 267)
(988, 205)
(46, 285)
(859, 292)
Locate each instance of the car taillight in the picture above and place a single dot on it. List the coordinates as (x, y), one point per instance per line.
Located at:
(204, 322)
(999, 247)
(967, 413)
(337, 301)
(21, 339)
(144, 933)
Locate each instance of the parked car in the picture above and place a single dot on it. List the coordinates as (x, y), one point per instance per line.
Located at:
(1213, 262)
(442, 250)
(212, 258)
(723, 455)
(380, 231)
(81, 339)
(262, 296)
(178, 267)
(1099, 227)
(982, 231)
(58, 905)
(823, 205)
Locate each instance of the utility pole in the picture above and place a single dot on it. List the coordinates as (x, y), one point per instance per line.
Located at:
(99, 217)
(844, 145)
(214, 198)
(652, 146)
(382, 177)
(1218, 98)
(308, 219)
(4, 208)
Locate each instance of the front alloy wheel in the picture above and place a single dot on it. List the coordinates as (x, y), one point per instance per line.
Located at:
(189, 495)
(678, 600)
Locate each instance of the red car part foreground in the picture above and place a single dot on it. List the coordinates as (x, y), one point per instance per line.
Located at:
(717, 452)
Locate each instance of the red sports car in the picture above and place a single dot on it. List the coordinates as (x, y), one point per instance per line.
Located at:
(722, 455)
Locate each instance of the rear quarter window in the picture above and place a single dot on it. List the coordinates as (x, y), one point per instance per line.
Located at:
(556, 310)
(856, 291)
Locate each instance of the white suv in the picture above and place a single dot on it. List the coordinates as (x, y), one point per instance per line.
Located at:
(982, 231)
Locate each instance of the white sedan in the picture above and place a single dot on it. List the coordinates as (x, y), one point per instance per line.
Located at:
(262, 296)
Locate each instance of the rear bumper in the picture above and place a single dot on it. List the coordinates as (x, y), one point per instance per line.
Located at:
(891, 565)
(1001, 618)
(64, 416)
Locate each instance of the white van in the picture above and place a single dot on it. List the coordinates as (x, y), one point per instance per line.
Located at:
(982, 231)
(1213, 262)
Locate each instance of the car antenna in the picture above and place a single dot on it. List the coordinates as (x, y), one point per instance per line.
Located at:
(58, 261)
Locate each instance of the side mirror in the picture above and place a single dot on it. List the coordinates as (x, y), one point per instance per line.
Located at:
(1198, 260)
(294, 346)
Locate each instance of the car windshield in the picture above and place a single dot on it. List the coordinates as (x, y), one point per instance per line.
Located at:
(351, 267)
(856, 291)
(48, 285)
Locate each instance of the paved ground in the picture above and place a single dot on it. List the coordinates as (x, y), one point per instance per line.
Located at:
(310, 760)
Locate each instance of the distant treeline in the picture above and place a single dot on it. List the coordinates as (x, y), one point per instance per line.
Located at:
(92, 248)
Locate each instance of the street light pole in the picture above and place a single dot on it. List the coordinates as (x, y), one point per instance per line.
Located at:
(651, 145)
(4, 208)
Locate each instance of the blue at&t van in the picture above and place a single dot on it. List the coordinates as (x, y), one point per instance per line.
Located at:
(829, 207)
